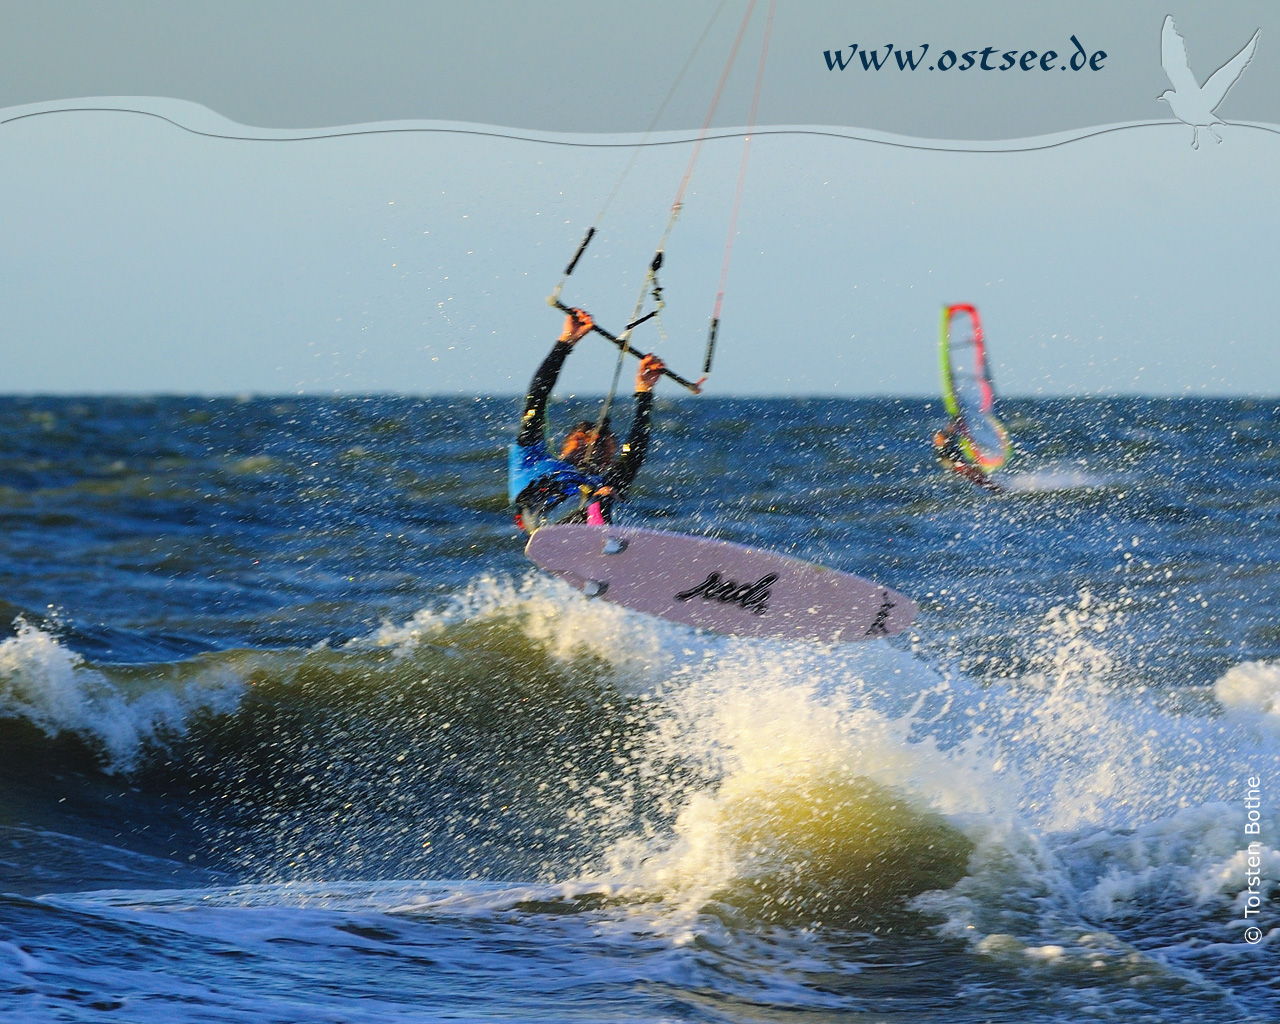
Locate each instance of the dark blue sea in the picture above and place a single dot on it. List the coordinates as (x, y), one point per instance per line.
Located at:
(290, 731)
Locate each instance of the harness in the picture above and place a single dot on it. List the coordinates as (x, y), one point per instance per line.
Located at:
(544, 488)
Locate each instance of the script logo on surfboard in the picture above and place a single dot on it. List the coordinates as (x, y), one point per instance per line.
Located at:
(879, 625)
(753, 597)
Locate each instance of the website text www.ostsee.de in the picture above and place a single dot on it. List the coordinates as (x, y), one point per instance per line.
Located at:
(988, 58)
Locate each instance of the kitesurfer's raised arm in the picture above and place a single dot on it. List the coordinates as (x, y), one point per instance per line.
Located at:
(637, 444)
(532, 425)
(624, 470)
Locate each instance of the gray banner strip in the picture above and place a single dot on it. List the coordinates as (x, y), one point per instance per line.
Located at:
(999, 71)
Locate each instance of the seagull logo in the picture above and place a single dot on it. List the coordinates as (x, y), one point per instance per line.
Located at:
(1192, 103)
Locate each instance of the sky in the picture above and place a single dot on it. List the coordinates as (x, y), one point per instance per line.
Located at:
(204, 232)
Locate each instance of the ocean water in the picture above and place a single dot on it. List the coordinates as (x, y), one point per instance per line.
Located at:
(291, 731)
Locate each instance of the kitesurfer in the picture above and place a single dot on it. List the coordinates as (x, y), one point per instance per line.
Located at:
(590, 473)
(946, 445)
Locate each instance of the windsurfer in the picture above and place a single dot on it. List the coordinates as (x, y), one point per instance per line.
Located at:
(590, 474)
(946, 445)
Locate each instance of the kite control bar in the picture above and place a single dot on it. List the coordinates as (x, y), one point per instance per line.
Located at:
(695, 387)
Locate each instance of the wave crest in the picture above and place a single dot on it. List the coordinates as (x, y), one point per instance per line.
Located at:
(54, 689)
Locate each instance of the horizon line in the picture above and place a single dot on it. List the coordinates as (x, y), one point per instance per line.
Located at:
(243, 396)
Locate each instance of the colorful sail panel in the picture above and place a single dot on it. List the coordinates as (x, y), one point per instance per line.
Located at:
(966, 389)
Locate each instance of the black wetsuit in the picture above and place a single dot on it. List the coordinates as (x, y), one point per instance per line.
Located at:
(544, 488)
(949, 450)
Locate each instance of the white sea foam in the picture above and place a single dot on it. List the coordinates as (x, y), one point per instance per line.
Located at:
(1052, 479)
(53, 688)
(549, 613)
(1250, 692)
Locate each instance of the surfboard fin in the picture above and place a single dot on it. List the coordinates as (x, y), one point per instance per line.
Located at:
(595, 588)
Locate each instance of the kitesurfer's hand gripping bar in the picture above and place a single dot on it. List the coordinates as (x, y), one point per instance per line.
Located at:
(694, 386)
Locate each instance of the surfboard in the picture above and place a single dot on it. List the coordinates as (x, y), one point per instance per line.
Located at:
(719, 586)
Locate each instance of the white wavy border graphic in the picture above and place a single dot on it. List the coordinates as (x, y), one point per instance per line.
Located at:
(200, 120)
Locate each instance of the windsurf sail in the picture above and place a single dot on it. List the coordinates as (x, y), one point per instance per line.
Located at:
(967, 392)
